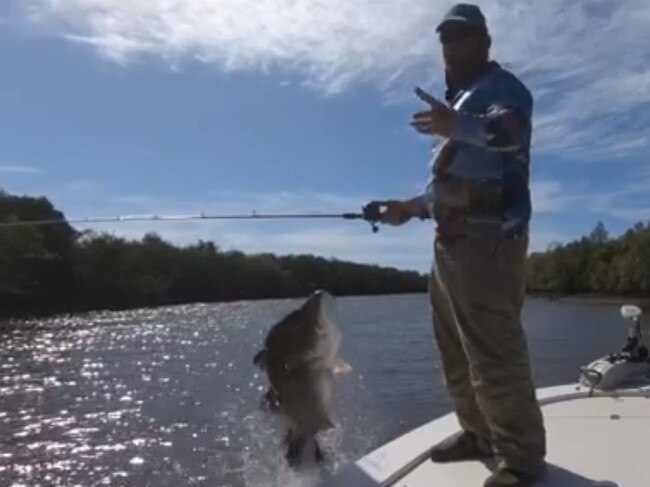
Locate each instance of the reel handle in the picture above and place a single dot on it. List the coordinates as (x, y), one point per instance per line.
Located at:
(372, 214)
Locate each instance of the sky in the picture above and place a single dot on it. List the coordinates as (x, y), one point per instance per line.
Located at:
(110, 107)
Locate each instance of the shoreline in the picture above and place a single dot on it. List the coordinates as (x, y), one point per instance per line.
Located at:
(613, 299)
(641, 301)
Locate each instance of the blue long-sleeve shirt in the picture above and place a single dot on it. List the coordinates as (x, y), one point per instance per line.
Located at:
(491, 143)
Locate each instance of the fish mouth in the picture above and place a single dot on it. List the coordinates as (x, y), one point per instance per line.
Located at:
(326, 306)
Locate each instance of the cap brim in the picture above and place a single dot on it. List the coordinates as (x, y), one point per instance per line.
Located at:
(448, 20)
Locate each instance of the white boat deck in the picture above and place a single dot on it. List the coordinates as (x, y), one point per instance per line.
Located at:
(597, 441)
(602, 440)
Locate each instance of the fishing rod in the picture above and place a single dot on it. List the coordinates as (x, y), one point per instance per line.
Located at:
(370, 214)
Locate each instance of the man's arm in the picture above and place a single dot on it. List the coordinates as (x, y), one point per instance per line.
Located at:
(419, 205)
(505, 127)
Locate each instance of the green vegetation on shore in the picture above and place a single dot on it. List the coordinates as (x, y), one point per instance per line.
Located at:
(54, 268)
(595, 265)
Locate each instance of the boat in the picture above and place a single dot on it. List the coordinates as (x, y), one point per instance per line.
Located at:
(598, 432)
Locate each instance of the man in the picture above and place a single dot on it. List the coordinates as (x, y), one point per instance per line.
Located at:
(479, 197)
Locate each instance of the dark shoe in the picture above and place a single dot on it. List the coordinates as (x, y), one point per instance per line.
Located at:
(507, 477)
(465, 446)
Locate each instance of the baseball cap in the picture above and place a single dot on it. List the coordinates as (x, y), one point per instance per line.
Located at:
(467, 13)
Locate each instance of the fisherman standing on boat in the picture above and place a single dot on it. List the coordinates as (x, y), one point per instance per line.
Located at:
(479, 197)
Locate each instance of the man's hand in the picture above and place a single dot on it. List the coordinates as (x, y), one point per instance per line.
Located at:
(438, 120)
(391, 212)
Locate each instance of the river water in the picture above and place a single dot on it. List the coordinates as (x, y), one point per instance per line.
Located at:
(169, 396)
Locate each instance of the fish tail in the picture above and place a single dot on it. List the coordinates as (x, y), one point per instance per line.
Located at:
(298, 448)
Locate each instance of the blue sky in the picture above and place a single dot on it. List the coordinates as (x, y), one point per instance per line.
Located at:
(156, 106)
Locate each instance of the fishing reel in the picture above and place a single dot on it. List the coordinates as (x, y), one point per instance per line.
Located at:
(372, 214)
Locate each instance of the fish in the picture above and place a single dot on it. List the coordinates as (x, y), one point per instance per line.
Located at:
(300, 358)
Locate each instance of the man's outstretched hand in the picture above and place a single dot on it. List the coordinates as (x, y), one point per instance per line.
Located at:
(438, 120)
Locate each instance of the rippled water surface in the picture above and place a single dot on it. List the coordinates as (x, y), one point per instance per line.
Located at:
(169, 396)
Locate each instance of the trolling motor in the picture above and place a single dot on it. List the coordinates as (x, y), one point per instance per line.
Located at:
(635, 350)
(629, 366)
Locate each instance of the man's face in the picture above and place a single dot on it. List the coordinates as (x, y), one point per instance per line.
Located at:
(462, 46)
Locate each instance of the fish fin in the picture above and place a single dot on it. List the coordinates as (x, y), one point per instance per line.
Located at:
(341, 366)
(260, 359)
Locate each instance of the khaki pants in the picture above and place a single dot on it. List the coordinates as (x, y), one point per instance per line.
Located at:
(477, 291)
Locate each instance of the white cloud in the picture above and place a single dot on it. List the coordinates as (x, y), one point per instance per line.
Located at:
(632, 214)
(549, 196)
(630, 202)
(587, 61)
(623, 201)
(408, 247)
(292, 201)
(20, 170)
